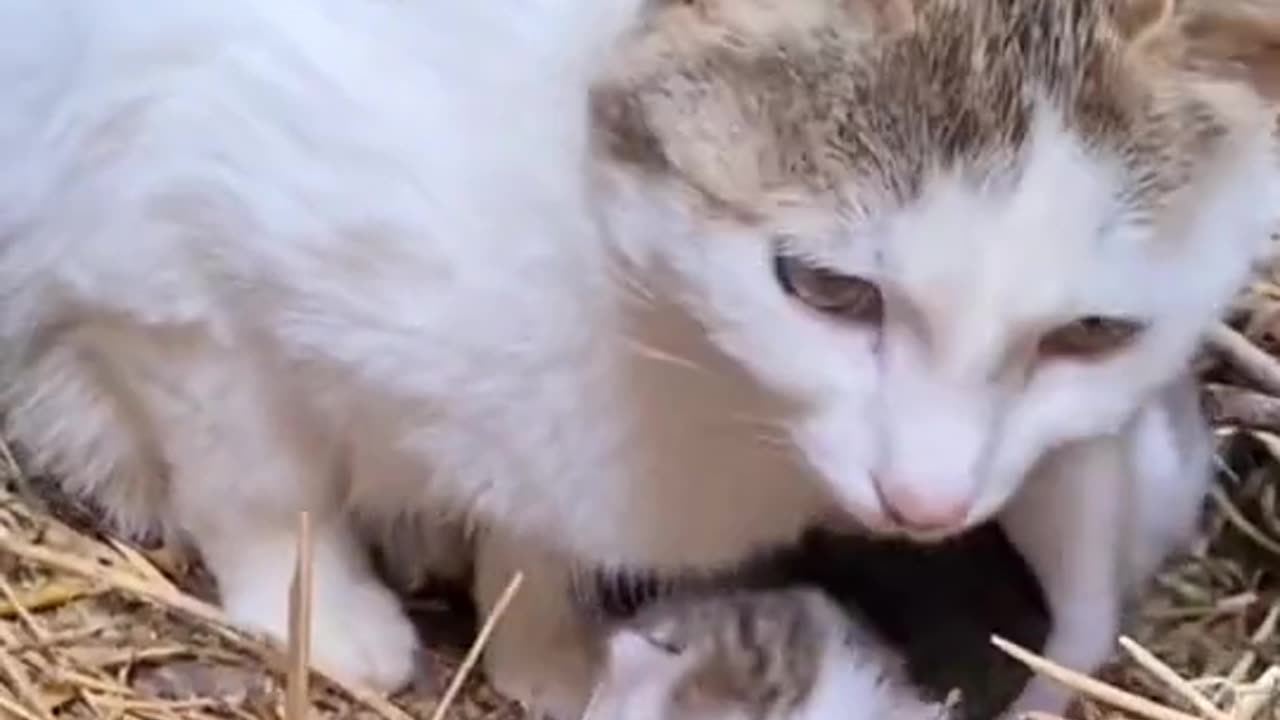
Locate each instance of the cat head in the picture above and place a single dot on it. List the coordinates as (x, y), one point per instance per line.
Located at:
(788, 654)
(953, 234)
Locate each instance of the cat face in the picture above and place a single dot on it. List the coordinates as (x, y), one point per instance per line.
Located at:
(953, 235)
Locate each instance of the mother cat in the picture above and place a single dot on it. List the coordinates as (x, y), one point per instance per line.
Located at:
(866, 258)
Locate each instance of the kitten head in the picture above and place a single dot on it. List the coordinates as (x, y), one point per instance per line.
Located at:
(954, 233)
(753, 655)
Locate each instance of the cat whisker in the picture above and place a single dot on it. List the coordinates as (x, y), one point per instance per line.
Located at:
(652, 352)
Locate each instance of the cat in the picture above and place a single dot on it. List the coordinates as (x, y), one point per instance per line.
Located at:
(753, 655)
(1097, 518)
(614, 284)
(971, 351)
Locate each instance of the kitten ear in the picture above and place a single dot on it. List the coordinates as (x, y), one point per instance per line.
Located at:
(634, 654)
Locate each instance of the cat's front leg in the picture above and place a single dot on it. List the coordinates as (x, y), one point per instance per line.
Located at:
(1067, 524)
(544, 651)
(358, 630)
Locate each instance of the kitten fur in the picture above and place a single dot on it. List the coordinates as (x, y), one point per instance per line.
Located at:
(343, 256)
(766, 655)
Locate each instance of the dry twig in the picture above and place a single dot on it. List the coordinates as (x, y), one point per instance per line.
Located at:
(477, 647)
(298, 695)
(1083, 684)
(1248, 358)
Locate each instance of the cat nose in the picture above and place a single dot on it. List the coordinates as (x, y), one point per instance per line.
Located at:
(915, 506)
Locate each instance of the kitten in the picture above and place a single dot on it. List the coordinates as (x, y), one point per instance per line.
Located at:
(656, 299)
(753, 655)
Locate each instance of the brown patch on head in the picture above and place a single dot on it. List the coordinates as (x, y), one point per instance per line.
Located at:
(739, 100)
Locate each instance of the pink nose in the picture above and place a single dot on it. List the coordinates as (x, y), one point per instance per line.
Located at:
(917, 508)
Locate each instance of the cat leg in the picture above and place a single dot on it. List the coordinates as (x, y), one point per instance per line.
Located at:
(196, 441)
(1172, 453)
(1067, 524)
(359, 631)
(420, 544)
(237, 490)
(544, 651)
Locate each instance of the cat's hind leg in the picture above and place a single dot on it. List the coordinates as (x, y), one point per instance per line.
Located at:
(164, 427)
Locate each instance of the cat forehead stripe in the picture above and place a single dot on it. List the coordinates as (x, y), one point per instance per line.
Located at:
(959, 91)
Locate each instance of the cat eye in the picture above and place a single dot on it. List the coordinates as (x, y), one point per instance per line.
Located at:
(827, 291)
(1090, 337)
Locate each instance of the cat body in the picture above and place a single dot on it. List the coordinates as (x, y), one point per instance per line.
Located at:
(653, 298)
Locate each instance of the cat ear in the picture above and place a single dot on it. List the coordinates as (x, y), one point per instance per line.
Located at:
(1235, 40)
(622, 130)
(656, 85)
(1142, 22)
(647, 127)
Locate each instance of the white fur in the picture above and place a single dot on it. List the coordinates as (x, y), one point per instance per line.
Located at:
(848, 688)
(257, 257)
(240, 238)
(986, 269)
(1097, 518)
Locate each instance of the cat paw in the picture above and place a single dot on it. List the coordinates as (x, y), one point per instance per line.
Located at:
(359, 632)
(366, 637)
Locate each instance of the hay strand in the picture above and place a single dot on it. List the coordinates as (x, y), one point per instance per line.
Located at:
(477, 647)
(1171, 679)
(297, 689)
(210, 616)
(1245, 356)
(1085, 685)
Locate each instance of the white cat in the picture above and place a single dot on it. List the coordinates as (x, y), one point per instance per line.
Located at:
(251, 254)
(872, 258)
(978, 210)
